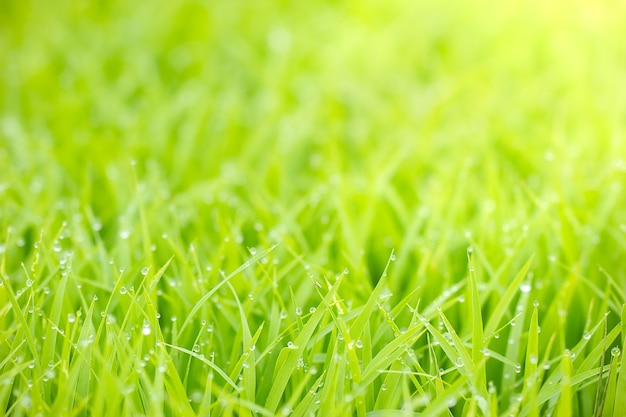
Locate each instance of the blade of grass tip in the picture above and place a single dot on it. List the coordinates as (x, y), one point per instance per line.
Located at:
(154, 279)
(610, 395)
(530, 370)
(620, 400)
(292, 354)
(219, 285)
(478, 348)
(564, 405)
(499, 312)
(363, 318)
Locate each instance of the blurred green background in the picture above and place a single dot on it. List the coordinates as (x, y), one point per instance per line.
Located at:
(344, 129)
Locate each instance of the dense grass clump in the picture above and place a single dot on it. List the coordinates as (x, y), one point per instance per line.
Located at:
(237, 208)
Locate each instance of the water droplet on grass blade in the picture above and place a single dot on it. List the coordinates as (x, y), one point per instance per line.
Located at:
(615, 351)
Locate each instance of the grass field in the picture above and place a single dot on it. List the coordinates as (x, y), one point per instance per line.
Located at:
(355, 208)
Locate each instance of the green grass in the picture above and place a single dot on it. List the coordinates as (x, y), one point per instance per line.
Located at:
(357, 208)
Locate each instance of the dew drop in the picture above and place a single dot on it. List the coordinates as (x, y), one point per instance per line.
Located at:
(359, 344)
(586, 335)
(615, 351)
(298, 311)
(123, 290)
(290, 345)
(525, 288)
(145, 270)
